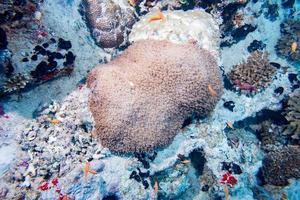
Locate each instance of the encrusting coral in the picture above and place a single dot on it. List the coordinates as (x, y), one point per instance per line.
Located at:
(110, 23)
(141, 99)
(288, 44)
(254, 74)
(293, 116)
(280, 165)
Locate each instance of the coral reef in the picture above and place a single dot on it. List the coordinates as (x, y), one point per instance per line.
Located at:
(279, 165)
(253, 75)
(140, 100)
(16, 83)
(293, 116)
(288, 44)
(194, 26)
(109, 23)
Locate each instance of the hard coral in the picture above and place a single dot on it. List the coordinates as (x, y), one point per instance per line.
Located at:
(279, 165)
(293, 116)
(290, 34)
(109, 23)
(254, 74)
(140, 100)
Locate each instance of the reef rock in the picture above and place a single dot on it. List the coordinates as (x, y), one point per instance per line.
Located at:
(193, 26)
(141, 99)
(280, 165)
(109, 23)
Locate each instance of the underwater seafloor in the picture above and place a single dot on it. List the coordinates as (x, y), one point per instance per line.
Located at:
(246, 147)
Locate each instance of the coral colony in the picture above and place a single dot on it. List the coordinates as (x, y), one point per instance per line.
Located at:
(149, 99)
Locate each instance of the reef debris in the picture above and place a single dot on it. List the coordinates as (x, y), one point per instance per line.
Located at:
(150, 94)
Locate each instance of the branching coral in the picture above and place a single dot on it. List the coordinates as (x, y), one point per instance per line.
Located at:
(293, 116)
(288, 44)
(141, 99)
(16, 83)
(254, 74)
(109, 23)
(279, 165)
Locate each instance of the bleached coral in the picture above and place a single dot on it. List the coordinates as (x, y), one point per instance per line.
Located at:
(141, 99)
(254, 74)
(179, 27)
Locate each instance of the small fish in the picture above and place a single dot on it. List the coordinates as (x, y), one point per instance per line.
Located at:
(211, 91)
(87, 169)
(158, 16)
(55, 121)
(132, 2)
(185, 161)
(155, 186)
(294, 47)
(230, 125)
(226, 192)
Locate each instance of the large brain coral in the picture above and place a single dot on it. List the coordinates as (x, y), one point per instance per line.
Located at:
(110, 23)
(141, 99)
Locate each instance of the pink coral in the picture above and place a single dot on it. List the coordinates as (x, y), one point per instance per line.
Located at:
(141, 99)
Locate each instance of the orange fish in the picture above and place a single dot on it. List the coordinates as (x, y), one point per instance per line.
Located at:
(87, 169)
(158, 16)
(132, 2)
(294, 47)
(155, 186)
(55, 121)
(226, 192)
(185, 162)
(230, 125)
(65, 197)
(211, 91)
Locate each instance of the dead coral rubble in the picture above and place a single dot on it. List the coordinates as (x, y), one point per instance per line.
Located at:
(253, 75)
(140, 100)
(288, 44)
(110, 24)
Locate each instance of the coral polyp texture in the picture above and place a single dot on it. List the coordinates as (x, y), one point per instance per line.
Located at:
(288, 44)
(109, 23)
(141, 99)
(293, 116)
(280, 165)
(254, 74)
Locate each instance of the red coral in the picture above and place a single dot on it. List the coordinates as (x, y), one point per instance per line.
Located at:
(44, 186)
(55, 181)
(228, 179)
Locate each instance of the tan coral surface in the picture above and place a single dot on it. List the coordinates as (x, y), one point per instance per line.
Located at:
(140, 100)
